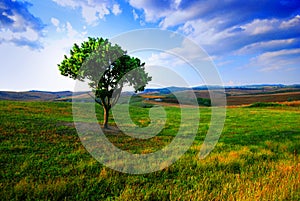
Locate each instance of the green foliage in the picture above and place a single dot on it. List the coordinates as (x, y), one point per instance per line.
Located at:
(138, 101)
(104, 65)
(204, 101)
(265, 104)
(171, 98)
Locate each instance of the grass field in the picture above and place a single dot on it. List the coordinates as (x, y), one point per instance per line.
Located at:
(256, 158)
(237, 97)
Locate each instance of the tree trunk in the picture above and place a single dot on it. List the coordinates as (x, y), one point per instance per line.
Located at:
(105, 118)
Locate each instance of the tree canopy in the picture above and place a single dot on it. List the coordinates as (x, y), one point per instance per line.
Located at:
(108, 69)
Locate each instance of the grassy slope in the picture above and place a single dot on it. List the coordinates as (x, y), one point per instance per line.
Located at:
(257, 157)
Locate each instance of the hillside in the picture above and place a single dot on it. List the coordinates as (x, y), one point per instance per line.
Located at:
(242, 95)
(237, 95)
(33, 95)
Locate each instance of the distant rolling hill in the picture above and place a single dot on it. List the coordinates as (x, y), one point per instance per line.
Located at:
(236, 95)
(33, 95)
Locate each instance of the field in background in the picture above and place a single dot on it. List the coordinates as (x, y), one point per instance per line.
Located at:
(256, 158)
(234, 96)
(239, 95)
(253, 98)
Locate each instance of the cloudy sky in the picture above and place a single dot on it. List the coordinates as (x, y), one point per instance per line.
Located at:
(250, 42)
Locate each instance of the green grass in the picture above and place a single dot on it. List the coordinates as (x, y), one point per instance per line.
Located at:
(256, 158)
(265, 104)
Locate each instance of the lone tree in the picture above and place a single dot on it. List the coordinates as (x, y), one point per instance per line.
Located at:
(108, 69)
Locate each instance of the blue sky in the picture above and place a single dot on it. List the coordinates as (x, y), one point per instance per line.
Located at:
(251, 42)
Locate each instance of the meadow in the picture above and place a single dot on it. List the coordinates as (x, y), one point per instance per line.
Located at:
(256, 158)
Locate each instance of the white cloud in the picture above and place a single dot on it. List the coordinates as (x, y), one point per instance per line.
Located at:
(169, 12)
(257, 35)
(92, 10)
(177, 3)
(55, 21)
(223, 62)
(135, 15)
(89, 14)
(180, 16)
(258, 26)
(70, 3)
(38, 69)
(187, 53)
(294, 22)
(266, 56)
(19, 26)
(205, 32)
(18, 20)
(28, 34)
(68, 28)
(261, 46)
(276, 60)
(102, 10)
(225, 27)
(188, 61)
(71, 32)
(152, 11)
(116, 9)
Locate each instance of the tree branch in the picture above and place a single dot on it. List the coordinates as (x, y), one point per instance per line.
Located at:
(96, 100)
